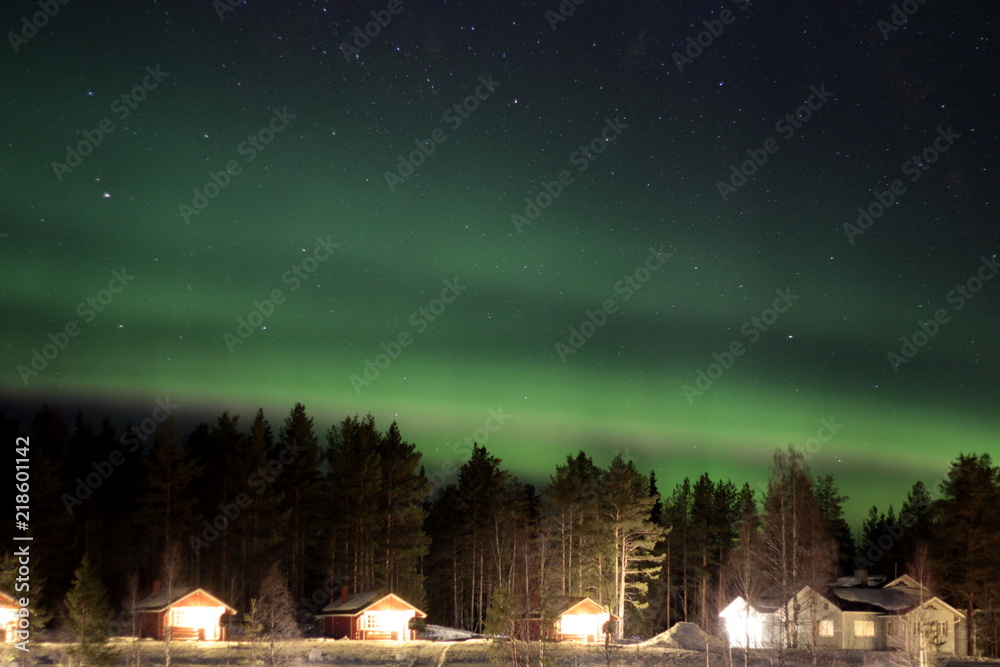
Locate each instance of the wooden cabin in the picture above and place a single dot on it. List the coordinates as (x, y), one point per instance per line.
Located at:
(188, 613)
(579, 619)
(369, 615)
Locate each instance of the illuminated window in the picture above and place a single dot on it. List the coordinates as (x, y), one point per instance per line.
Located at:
(202, 618)
(387, 621)
(578, 624)
(826, 628)
(864, 628)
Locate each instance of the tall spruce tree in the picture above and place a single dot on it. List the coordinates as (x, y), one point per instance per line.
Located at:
(359, 522)
(572, 518)
(677, 564)
(377, 534)
(170, 497)
(405, 491)
(831, 507)
(89, 616)
(917, 519)
(463, 525)
(266, 518)
(300, 482)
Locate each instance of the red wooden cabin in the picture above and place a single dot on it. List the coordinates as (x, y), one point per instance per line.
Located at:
(369, 615)
(576, 619)
(187, 614)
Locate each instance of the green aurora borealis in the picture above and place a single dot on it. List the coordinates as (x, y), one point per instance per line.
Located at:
(494, 347)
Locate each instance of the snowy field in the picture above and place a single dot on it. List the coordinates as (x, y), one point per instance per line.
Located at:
(683, 645)
(479, 652)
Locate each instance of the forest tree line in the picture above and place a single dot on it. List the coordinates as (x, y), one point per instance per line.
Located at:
(235, 499)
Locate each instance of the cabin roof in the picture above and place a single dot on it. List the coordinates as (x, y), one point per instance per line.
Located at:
(359, 602)
(162, 602)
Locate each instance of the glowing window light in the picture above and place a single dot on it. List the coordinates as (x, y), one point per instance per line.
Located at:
(388, 621)
(583, 625)
(864, 628)
(201, 618)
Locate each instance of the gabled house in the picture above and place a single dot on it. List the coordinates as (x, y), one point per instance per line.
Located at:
(913, 616)
(369, 615)
(8, 617)
(855, 613)
(186, 614)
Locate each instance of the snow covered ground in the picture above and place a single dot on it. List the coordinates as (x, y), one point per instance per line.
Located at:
(470, 651)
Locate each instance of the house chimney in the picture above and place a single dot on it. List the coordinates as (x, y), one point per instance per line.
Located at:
(156, 588)
(343, 594)
(861, 577)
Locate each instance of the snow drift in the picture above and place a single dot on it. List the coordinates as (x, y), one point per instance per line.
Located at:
(687, 637)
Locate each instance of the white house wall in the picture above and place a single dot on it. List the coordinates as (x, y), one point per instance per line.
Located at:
(909, 640)
(810, 619)
(850, 638)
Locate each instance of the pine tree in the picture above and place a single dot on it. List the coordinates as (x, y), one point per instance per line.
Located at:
(266, 519)
(677, 570)
(57, 534)
(464, 523)
(967, 536)
(360, 516)
(404, 494)
(580, 555)
(89, 617)
(167, 506)
(917, 518)
(223, 453)
(481, 484)
(831, 506)
(301, 485)
(626, 506)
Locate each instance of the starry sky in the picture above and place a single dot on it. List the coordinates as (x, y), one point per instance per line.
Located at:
(624, 227)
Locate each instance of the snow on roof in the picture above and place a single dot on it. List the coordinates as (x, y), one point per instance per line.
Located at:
(888, 599)
(358, 602)
(873, 581)
(353, 603)
(160, 601)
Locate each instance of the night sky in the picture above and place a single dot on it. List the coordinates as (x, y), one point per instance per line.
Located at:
(253, 167)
